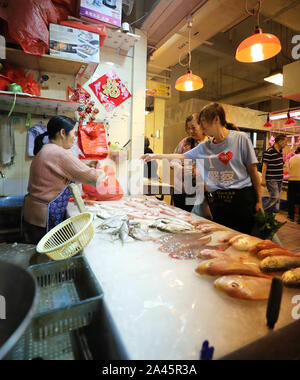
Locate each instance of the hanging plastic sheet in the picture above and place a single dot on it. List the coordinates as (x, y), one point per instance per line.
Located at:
(7, 142)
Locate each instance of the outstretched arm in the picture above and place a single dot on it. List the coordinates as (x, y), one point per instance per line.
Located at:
(169, 157)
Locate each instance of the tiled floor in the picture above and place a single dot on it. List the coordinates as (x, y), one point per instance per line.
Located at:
(289, 234)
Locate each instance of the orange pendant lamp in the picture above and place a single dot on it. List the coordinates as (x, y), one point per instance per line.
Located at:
(260, 46)
(189, 81)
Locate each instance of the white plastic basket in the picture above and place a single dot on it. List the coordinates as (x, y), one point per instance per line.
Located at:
(68, 238)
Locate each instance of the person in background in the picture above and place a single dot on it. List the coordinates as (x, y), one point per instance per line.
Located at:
(195, 137)
(294, 185)
(228, 166)
(52, 170)
(272, 173)
(151, 168)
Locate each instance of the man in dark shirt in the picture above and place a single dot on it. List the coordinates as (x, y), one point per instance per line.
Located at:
(272, 173)
(150, 168)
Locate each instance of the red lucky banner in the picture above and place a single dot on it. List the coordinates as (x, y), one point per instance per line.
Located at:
(110, 91)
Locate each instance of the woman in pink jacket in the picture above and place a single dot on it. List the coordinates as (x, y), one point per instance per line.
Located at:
(53, 168)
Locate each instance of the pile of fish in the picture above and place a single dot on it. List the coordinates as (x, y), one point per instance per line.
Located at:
(121, 222)
(194, 244)
(248, 275)
(143, 208)
(120, 227)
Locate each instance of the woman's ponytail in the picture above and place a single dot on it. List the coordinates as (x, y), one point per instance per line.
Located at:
(231, 127)
(55, 125)
(38, 143)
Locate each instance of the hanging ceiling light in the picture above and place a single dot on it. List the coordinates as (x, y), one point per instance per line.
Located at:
(268, 123)
(290, 121)
(189, 81)
(260, 46)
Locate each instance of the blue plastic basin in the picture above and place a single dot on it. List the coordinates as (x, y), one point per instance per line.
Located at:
(13, 201)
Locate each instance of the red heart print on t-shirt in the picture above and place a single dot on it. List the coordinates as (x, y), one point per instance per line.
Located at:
(225, 157)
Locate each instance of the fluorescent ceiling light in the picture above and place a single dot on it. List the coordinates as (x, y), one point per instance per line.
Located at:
(284, 115)
(276, 79)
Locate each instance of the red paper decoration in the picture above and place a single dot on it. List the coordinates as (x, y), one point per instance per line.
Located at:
(110, 90)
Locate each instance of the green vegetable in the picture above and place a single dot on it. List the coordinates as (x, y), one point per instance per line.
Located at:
(266, 225)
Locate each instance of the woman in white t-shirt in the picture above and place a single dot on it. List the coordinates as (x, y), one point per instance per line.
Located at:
(294, 185)
(228, 165)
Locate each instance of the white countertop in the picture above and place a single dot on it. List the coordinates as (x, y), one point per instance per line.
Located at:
(163, 311)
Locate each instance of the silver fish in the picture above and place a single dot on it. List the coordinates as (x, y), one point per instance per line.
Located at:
(103, 214)
(167, 225)
(139, 233)
(114, 222)
(124, 233)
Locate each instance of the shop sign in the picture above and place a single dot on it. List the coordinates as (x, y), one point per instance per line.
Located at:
(296, 309)
(158, 89)
(296, 49)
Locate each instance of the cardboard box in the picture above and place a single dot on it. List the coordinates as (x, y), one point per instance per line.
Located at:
(72, 43)
(108, 11)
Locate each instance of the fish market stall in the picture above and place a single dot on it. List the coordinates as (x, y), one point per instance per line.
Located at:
(163, 308)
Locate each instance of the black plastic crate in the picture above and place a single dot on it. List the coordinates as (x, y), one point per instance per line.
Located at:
(97, 341)
(69, 295)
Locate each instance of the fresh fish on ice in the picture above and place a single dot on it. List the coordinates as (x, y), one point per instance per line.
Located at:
(139, 233)
(274, 252)
(124, 233)
(209, 254)
(291, 278)
(244, 242)
(267, 244)
(167, 225)
(188, 236)
(279, 263)
(228, 266)
(245, 287)
(114, 222)
(103, 214)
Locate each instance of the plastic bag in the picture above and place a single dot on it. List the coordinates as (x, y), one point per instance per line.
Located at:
(93, 28)
(18, 75)
(30, 86)
(108, 190)
(92, 141)
(62, 12)
(65, 8)
(14, 73)
(28, 22)
(69, 4)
